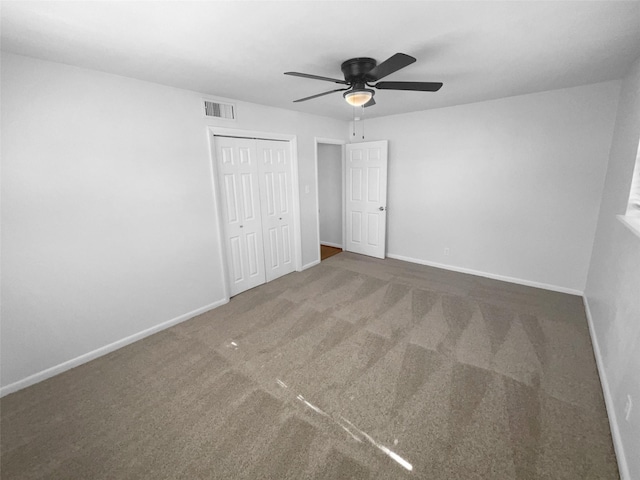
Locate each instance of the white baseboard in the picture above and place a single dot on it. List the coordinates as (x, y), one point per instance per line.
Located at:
(329, 244)
(311, 264)
(623, 467)
(74, 362)
(504, 278)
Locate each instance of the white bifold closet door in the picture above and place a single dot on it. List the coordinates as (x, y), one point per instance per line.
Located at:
(254, 178)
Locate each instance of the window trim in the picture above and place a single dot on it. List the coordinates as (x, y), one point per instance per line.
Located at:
(631, 218)
(632, 223)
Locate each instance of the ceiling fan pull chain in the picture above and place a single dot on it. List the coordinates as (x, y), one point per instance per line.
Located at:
(362, 118)
(354, 121)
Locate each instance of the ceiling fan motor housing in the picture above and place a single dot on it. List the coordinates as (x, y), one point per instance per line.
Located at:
(355, 69)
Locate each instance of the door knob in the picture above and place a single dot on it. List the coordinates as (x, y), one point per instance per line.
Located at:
(381, 209)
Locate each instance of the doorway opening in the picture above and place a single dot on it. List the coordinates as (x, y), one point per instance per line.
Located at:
(329, 155)
(352, 198)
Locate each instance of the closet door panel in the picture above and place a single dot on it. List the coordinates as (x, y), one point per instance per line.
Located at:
(276, 194)
(237, 170)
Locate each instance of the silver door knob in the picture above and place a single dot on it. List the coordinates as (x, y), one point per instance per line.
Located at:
(381, 209)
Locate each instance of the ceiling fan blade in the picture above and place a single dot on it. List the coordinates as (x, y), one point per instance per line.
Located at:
(414, 86)
(370, 103)
(319, 95)
(316, 77)
(390, 65)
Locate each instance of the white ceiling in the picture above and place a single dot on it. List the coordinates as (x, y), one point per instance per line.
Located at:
(480, 50)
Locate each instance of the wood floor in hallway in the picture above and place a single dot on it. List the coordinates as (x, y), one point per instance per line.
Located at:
(326, 251)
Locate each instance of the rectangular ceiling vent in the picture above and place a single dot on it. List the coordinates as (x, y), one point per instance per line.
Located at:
(226, 111)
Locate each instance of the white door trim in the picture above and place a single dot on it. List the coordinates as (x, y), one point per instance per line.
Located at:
(330, 141)
(211, 131)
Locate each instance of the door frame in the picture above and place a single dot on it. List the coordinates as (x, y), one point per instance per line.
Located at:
(342, 143)
(212, 131)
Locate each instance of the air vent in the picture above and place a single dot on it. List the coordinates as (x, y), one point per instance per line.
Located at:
(219, 110)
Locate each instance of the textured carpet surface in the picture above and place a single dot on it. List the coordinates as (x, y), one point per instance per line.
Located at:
(355, 369)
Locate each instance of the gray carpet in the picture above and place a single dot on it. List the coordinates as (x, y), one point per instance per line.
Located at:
(356, 368)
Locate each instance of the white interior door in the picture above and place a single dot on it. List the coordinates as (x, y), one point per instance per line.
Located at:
(366, 198)
(240, 197)
(276, 201)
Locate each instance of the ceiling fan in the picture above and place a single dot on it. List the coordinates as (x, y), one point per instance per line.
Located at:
(359, 73)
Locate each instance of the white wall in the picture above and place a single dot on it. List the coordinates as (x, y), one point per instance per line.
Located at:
(108, 221)
(330, 193)
(613, 287)
(512, 186)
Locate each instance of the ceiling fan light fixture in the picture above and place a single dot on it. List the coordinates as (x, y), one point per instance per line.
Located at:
(357, 98)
